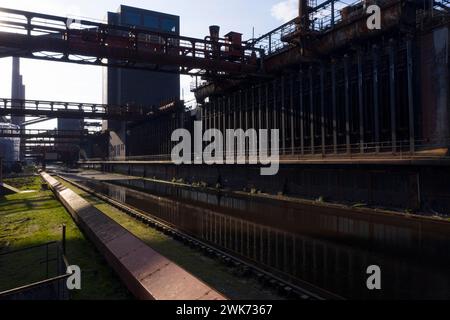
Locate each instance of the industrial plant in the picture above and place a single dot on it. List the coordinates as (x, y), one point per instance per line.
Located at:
(348, 103)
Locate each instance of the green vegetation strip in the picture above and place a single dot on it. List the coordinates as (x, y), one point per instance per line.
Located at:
(36, 218)
(24, 183)
(208, 270)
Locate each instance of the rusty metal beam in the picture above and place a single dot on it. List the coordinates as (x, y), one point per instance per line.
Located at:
(347, 102)
(311, 108)
(283, 114)
(334, 104)
(230, 113)
(392, 95)
(302, 112)
(275, 88)
(246, 108)
(360, 100)
(252, 96)
(240, 109)
(322, 106)
(292, 114)
(72, 110)
(35, 133)
(234, 110)
(266, 105)
(343, 34)
(121, 46)
(410, 67)
(376, 104)
(260, 107)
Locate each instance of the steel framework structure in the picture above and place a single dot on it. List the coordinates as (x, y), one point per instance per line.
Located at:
(35, 133)
(41, 36)
(75, 110)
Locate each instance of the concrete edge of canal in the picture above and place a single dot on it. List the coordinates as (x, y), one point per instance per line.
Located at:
(146, 273)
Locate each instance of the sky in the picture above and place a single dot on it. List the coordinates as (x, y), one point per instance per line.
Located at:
(46, 80)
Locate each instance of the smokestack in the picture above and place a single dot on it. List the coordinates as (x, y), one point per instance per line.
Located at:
(17, 88)
(17, 92)
(303, 15)
(214, 32)
(16, 66)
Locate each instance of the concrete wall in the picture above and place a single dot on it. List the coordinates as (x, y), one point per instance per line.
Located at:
(422, 188)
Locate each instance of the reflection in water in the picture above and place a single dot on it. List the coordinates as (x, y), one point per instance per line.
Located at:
(298, 245)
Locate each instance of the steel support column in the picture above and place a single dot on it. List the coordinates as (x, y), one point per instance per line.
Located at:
(220, 113)
(311, 108)
(267, 106)
(283, 115)
(347, 103)
(217, 114)
(410, 66)
(204, 117)
(259, 107)
(333, 101)
(224, 120)
(246, 108)
(240, 109)
(224, 114)
(275, 124)
(376, 103)
(291, 102)
(234, 111)
(322, 106)
(214, 113)
(230, 116)
(392, 94)
(360, 101)
(210, 119)
(253, 122)
(210, 114)
(302, 114)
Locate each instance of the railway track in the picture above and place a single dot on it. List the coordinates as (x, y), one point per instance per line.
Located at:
(239, 266)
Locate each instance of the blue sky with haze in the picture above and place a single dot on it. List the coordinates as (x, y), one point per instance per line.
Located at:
(70, 82)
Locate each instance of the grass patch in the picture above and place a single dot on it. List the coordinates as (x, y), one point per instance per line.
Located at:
(24, 183)
(210, 271)
(36, 218)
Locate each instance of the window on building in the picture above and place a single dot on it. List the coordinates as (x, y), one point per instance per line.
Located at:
(169, 25)
(133, 19)
(151, 22)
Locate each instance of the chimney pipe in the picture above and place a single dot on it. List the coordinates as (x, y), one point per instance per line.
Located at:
(303, 14)
(214, 32)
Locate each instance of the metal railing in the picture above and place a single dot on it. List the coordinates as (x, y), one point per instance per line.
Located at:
(321, 17)
(435, 15)
(136, 47)
(38, 133)
(272, 41)
(400, 150)
(34, 273)
(325, 16)
(73, 109)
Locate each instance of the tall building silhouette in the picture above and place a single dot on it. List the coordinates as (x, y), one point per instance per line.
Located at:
(137, 87)
(17, 92)
(17, 89)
